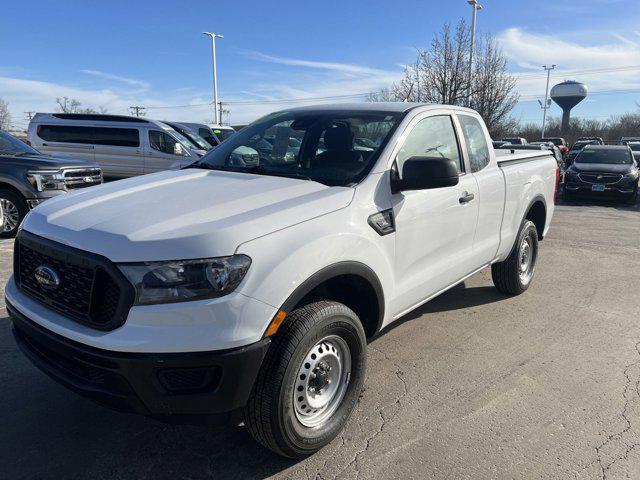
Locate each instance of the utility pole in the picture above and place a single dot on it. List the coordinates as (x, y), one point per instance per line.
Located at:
(476, 6)
(547, 102)
(137, 110)
(29, 115)
(215, 74)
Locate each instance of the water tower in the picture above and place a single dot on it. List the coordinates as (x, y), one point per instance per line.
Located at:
(567, 95)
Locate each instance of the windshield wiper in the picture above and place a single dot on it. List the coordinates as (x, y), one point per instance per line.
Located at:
(256, 169)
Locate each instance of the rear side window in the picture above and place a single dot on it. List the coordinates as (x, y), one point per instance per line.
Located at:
(476, 142)
(65, 134)
(121, 137)
(431, 137)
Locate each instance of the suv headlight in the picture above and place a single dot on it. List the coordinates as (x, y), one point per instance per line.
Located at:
(46, 180)
(632, 175)
(181, 281)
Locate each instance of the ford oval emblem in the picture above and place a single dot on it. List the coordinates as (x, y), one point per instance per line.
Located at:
(47, 277)
(87, 179)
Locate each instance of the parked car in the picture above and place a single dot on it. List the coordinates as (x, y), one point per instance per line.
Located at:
(635, 150)
(596, 140)
(255, 289)
(603, 170)
(575, 150)
(499, 143)
(27, 178)
(626, 140)
(213, 134)
(515, 140)
(122, 146)
(558, 142)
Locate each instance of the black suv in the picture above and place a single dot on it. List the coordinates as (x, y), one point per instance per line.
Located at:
(28, 177)
(603, 170)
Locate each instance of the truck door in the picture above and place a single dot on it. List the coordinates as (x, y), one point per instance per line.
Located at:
(434, 227)
(491, 186)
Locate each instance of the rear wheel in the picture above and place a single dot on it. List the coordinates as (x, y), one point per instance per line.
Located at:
(15, 208)
(513, 276)
(310, 380)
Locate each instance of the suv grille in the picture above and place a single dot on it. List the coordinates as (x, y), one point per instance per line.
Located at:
(605, 178)
(82, 177)
(90, 289)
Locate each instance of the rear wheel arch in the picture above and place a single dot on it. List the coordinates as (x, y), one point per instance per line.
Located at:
(353, 284)
(537, 213)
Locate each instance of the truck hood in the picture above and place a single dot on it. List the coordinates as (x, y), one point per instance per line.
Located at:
(603, 167)
(44, 162)
(182, 214)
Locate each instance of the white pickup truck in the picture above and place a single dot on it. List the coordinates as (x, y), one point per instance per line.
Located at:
(225, 288)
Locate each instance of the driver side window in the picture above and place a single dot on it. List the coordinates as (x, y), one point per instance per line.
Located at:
(161, 141)
(431, 137)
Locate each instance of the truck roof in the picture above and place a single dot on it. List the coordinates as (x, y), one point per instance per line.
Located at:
(391, 107)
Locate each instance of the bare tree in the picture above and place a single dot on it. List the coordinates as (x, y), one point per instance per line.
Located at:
(5, 116)
(440, 74)
(493, 90)
(73, 105)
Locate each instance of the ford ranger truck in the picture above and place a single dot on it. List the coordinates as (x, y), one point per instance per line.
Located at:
(222, 289)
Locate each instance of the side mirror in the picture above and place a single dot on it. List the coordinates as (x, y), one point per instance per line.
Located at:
(421, 173)
(177, 149)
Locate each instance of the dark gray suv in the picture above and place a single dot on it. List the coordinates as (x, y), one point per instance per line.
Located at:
(28, 177)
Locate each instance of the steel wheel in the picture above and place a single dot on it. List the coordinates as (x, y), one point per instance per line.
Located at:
(11, 216)
(527, 259)
(322, 381)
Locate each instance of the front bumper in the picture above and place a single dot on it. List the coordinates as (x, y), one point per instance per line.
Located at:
(579, 187)
(159, 384)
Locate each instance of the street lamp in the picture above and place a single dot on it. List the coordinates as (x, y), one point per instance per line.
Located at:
(476, 6)
(547, 101)
(215, 75)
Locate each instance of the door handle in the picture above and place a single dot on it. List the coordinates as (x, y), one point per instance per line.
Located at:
(466, 197)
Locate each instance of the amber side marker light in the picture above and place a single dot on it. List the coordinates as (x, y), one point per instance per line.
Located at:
(275, 323)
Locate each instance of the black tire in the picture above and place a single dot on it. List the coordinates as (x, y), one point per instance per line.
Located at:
(22, 209)
(270, 414)
(507, 274)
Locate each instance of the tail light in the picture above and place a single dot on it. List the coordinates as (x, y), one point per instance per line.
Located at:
(555, 190)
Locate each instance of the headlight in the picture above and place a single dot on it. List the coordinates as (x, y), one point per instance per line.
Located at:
(632, 175)
(181, 281)
(46, 180)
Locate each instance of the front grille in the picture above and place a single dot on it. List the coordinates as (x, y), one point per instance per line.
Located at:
(82, 177)
(89, 290)
(606, 178)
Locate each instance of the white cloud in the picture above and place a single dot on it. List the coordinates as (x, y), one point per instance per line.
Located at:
(601, 66)
(109, 76)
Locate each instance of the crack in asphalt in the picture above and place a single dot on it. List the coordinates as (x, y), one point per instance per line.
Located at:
(630, 385)
(385, 419)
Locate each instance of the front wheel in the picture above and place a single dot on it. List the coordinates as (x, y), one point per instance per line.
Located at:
(513, 276)
(15, 208)
(310, 380)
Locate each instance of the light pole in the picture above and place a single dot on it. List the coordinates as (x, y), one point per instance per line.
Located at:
(476, 6)
(215, 74)
(546, 98)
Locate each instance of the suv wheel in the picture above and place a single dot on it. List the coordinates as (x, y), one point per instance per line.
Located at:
(310, 380)
(15, 209)
(513, 276)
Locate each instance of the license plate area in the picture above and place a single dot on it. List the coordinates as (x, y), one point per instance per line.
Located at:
(597, 187)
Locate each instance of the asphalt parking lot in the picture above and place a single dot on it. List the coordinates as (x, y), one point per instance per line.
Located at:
(472, 385)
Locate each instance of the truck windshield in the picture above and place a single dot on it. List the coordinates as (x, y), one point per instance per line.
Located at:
(333, 148)
(9, 145)
(223, 133)
(617, 156)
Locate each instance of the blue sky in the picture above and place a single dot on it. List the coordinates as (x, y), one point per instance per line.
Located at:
(152, 53)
